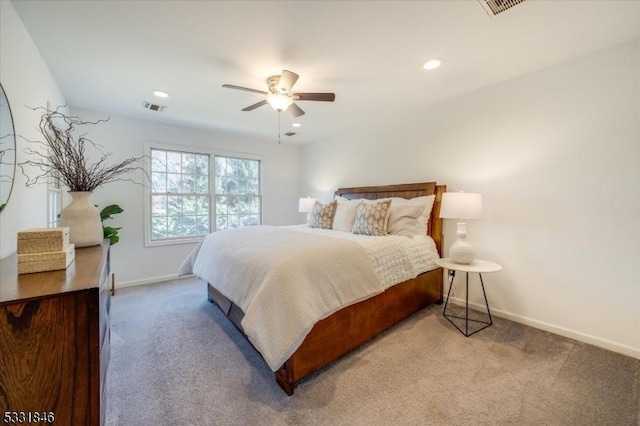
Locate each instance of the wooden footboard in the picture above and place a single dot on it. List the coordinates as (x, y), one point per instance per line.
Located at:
(349, 327)
(352, 326)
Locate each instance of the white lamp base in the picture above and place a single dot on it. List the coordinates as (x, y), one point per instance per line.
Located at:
(461, 251)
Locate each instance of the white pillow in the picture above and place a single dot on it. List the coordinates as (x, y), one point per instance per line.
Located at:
(410, 217)
(403, 219)
(345, 214)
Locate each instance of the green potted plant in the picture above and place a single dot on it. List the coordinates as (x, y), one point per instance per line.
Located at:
(109, 232)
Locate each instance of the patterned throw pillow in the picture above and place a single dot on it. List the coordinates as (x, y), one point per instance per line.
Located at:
(372, 218)
(322, 215)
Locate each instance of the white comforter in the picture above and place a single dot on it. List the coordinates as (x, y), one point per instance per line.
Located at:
(285, 279)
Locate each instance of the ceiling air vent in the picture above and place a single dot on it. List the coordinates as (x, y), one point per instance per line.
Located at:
(153, 107)
(493, 7)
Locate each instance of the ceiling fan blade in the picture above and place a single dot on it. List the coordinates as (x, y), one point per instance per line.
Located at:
(326, 97)
(246, 89)
(295, 110)
(287, 80)
(254, 106)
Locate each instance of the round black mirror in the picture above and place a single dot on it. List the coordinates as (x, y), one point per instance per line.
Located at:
(7, 150)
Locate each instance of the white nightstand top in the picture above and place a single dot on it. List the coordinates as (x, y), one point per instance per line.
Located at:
(478, 265)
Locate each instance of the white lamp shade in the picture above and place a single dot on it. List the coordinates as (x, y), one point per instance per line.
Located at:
(279, 102)
(461, 205)
(305, 205)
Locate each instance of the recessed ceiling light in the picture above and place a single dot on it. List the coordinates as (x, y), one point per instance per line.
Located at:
(296, 125)
(432, 64)
(160, 93)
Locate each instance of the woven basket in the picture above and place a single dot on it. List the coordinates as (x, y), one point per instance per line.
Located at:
(43, 240)
(49, 261)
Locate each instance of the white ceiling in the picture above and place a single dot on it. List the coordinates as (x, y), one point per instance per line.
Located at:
(108, 55)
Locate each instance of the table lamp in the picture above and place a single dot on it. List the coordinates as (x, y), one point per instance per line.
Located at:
(461, 206)
(305, 205)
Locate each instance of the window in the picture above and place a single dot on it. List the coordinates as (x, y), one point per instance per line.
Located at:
(54, 202)
(179, 195)
(237, 192)
(182, 206)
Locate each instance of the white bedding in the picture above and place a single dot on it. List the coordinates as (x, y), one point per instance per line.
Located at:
(395, 258)
(285, 279)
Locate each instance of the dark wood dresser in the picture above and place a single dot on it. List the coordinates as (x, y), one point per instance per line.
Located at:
(54, 340)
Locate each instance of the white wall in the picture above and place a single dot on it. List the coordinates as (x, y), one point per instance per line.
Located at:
(125, 137)
(27, 82)
(556, 154)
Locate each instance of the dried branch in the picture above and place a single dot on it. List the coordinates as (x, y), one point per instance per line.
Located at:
(3, 153)
(65, 156)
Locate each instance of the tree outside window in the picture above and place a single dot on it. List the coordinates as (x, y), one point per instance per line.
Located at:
(237, 192)
(180, 198)
(180, 194)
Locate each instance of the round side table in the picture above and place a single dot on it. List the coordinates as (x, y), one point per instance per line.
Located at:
(479, 267)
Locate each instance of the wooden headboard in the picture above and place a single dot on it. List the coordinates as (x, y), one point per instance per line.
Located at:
(406, 190)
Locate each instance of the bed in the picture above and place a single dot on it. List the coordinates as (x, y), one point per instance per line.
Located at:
(344, 328)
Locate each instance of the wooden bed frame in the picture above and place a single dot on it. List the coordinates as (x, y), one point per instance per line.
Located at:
(353, 325)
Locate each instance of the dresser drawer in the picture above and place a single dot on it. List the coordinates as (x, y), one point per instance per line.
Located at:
(105, 355)
(104, 304)
(54, 338)
(34, 341)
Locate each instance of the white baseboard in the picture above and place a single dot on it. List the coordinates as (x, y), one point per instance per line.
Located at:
(152, 280)
(576, 335)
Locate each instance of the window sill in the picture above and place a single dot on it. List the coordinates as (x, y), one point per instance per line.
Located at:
(173, 241)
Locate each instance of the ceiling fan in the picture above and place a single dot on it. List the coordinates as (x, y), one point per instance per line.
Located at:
(280, 96)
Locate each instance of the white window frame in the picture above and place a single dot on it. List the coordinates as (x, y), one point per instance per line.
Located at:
(212, 207)
(54, 201)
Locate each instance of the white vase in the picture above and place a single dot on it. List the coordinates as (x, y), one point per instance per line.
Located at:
(83, 220)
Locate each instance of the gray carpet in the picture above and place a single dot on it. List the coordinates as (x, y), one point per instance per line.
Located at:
(176, 360)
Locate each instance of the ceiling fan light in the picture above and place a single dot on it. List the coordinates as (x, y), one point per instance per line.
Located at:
(279, 102)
